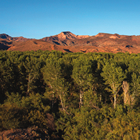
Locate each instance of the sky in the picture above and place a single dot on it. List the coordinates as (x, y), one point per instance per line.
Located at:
(42, 18)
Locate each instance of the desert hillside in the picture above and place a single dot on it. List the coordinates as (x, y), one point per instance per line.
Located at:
(69, 42)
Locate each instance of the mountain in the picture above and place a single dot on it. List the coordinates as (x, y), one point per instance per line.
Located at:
(35, 45)
(63, 36)
(69, 42)
(60, 38)
(5, 36)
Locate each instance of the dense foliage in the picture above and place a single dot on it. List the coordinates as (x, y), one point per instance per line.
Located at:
(75, 96)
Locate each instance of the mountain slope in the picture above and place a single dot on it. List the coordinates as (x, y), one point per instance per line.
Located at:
(69, 42)
(63, 36)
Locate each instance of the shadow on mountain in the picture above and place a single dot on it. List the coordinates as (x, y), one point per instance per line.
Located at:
(83, 51)
(4, 47)
(5, 42)
(129, 46)
(67, 50)
(56, 43)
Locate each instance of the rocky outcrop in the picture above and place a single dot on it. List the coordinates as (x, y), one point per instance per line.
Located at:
(115, 36)
(82, 36)
(5, 36)
(63, 36)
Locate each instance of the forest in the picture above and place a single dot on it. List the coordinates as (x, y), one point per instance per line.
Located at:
(74, 96)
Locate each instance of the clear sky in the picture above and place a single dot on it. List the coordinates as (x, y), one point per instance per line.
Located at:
(41, 18)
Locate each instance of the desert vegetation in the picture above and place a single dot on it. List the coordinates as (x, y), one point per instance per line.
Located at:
(73, 96)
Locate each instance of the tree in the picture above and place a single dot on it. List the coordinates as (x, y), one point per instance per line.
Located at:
(55, 80)
(82, 75)
(8, 77)
(135, 88)
(113, 76)
(32, 67)
(124, 127)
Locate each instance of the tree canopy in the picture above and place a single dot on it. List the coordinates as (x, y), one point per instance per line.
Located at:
(73, 96)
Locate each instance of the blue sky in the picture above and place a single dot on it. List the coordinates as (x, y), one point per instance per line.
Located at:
(41, 18)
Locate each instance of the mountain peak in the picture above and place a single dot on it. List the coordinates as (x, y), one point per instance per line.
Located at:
(65, 32)
(66, 35)
(5, 36)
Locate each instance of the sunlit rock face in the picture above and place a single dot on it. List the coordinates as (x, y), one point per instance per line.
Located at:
(63, 36)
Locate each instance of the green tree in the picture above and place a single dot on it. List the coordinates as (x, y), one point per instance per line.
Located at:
(54, 78)
(83, 75)
(113, 76)
(135, 88)
(31, 71)
(125, 126)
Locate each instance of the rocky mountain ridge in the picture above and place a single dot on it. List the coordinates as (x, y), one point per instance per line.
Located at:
(5, 36)
(69, 42)
(63, 36)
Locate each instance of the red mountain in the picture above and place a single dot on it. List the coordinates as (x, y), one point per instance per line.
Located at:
(67, 41)
(64, 36)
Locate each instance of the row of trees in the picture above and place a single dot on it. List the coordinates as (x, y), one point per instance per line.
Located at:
(82, 96)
